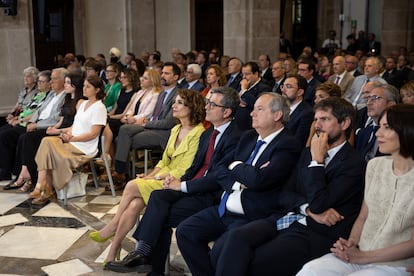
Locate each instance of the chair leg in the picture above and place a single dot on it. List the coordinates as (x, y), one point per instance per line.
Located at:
(94, 174)
(108, 172)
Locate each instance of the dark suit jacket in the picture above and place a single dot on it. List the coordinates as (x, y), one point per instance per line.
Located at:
(309, 95)
(340, 186)
(300, 121)
(269, 174)
(198, 86)
(268, 77)
(165, 119)
(243, 119)
(394, 77)
(223, 153)
(235, 84)
(182, 84)
(278, 89)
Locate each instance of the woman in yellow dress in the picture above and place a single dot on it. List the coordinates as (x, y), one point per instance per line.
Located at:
(188, 109)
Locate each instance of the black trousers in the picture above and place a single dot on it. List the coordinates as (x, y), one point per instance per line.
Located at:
(8, 144)
(27, 149)
(165, 210)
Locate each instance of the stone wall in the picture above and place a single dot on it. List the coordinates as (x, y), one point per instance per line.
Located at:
(16, 53)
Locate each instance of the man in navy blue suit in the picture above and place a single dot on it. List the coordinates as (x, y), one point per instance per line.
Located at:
(306, 69)
(196, 190)
(263, 161)
(301, 113)
(250, 88)
(325, 196)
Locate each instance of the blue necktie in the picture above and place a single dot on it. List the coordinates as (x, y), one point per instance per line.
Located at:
(222, 206)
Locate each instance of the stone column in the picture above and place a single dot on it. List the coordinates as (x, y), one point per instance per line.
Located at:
(251, 28)
(397, 26)
(16, 52)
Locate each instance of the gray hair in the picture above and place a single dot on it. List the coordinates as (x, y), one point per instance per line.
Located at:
(391, 93)
(63, 71)
(278, 103)
(196, 69)
(31, 70)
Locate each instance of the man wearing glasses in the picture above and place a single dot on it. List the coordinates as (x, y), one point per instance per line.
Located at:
(380, 97)
(301, 113)
(196, 190)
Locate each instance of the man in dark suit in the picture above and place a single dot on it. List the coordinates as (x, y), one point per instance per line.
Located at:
(279, 76)
(380, 97)
(192, 76)
(324, 195)
(196, 190)
(351, 65)
(250, 88)
(151, 134)
(301, 113)
(265, 69)
(263, 160)
(306, 69)
(235, 75)
(392, 75)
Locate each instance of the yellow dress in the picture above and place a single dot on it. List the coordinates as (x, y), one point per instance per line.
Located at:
(175, 161)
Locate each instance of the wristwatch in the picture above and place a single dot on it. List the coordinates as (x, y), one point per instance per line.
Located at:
(158, 177)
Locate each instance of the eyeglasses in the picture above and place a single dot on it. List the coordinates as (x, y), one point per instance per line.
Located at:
(213, 104)
(41, 81)
(287, 86)
(374, 98)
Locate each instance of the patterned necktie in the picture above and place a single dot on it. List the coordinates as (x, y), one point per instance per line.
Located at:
(222, 206)
(158, 107)
(286, 221)
(209, 154)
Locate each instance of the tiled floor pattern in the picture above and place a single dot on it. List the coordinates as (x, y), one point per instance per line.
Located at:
(53, 239)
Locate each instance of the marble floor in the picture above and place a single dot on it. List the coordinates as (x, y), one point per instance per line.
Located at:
(53, 239)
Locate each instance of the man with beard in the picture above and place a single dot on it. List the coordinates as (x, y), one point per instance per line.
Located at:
(301, 113)
(151, 134)
(323, 198)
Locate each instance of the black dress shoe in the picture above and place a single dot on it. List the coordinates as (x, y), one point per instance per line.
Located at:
(119, 267)
(135, 259)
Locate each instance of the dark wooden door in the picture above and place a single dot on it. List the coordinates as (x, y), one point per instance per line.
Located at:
(53, 31)
(209, 24)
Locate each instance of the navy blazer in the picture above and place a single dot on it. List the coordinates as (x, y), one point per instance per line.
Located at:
(223, 153)
(198, 86)
(270, 173)
(268, 77)
(300, 122)
(235, 84)
(242, 117)
(340, 186)
(309, 95)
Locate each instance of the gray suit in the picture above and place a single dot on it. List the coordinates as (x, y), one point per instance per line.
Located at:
(353, 94)
(345, 82)
(154, 134)
(54, 116)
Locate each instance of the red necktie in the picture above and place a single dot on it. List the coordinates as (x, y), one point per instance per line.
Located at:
(208, 156)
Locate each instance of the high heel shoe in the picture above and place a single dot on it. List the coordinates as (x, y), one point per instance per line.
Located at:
(44, 197)
(94, 235)
(26, 186)
(36, 192)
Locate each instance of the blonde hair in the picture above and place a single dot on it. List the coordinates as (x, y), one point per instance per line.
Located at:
(155, 78)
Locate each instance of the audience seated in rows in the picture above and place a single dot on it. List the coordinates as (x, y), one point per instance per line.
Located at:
(177, 158)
